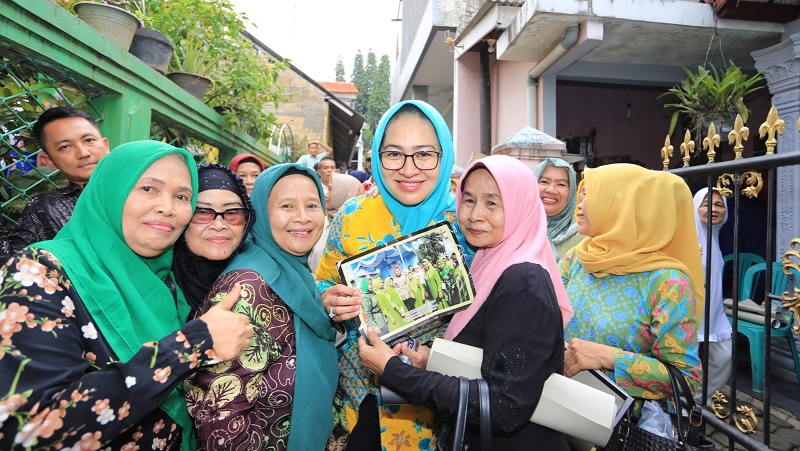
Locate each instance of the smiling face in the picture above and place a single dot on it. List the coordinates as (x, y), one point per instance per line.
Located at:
(480, 215)
(409, 134)
(158, 207)
(295, 214)
(554, 189)
(74, 146)
(584, 227)
(718, 209)
(217, 239)
(248, 171)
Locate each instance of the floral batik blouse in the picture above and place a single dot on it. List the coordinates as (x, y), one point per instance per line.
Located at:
(647, 317)
(61, 384)
(246, 404)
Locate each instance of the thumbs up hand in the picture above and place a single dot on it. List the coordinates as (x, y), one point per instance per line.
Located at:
(231, 332)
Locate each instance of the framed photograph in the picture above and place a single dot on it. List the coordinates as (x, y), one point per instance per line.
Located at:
(409, 281)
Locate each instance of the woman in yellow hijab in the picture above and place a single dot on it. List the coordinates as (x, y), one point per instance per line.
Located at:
(635, 282)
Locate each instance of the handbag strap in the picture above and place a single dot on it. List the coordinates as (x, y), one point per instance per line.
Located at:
(693, 434)
(486, 415)
(457, 433)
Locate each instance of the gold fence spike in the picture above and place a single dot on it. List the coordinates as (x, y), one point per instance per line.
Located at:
(737, 135)
(666, 152)
(687, 147)
(772, 125)
(791, 261)
(711, 142)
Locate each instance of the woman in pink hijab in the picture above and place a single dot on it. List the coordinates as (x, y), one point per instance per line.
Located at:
(517, 317)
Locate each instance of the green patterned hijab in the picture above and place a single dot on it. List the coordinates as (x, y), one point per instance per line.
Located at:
(290, 277)
(125, 293)
(562, 226)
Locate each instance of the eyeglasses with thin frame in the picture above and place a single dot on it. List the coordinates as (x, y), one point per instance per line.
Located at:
(424, 160)
(232, 216)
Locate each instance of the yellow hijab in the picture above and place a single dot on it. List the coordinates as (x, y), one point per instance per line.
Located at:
(643, 220)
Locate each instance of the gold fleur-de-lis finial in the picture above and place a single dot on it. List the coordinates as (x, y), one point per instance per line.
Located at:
(687, 147)
(737, 135)
(768, 128)
(666, 152)
(711, 142)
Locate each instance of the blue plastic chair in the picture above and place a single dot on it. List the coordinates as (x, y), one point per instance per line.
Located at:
(755, 332)
(746, 260)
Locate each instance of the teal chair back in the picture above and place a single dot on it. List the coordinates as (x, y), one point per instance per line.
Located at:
(753, 274)
(755, 331)
(746, 260)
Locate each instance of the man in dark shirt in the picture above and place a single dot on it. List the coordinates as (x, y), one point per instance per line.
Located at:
(71, 142)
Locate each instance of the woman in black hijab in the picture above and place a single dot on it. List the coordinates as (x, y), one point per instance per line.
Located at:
(218, 230)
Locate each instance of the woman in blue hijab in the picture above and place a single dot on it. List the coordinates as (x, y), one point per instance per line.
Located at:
(413, 154)
(279, 394)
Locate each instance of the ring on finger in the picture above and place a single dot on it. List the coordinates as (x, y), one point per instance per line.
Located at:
(331, 315)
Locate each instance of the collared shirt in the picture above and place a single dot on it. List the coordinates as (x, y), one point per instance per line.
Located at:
(42, 218)
(309, 161)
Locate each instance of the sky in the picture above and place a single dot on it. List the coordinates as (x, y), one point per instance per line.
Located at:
(313, 33)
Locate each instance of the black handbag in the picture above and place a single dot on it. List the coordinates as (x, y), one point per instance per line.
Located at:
(627, 436)
(453, 438)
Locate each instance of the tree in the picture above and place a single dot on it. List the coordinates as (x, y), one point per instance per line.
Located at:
(374, 90)
(380, 93)
(362, 84)
(339, 69)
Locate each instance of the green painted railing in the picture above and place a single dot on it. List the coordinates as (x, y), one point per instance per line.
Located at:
(45, 52)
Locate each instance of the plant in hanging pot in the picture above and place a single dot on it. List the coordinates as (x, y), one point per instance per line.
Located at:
(111, 19)
(711, 95)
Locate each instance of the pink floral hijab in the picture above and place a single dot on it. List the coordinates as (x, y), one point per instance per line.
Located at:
(524, 238)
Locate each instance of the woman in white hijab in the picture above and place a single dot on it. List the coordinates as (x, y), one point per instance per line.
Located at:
(719, 333)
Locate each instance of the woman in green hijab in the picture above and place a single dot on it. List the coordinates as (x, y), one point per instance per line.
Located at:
(280, 393)
(94, 346)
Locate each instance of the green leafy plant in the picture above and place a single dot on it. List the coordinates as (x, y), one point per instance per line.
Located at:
(195, 56)
(710, 95)
(208, 41)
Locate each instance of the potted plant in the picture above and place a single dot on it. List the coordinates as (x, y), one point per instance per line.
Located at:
(711, 95)
(191, 62)
(111, 19)
(150, 46)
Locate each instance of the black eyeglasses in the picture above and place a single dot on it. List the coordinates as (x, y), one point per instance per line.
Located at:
(424, 160)
(232, 216)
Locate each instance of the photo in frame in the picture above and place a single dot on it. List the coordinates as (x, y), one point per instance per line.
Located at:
(409, 281)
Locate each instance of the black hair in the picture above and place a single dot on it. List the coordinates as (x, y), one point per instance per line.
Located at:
(54, 114)
(327, 158)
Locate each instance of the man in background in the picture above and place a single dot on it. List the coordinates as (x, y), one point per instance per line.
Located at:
(314, 156)
(71, 142)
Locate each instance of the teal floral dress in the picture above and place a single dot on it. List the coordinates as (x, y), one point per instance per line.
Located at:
(648, 317)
